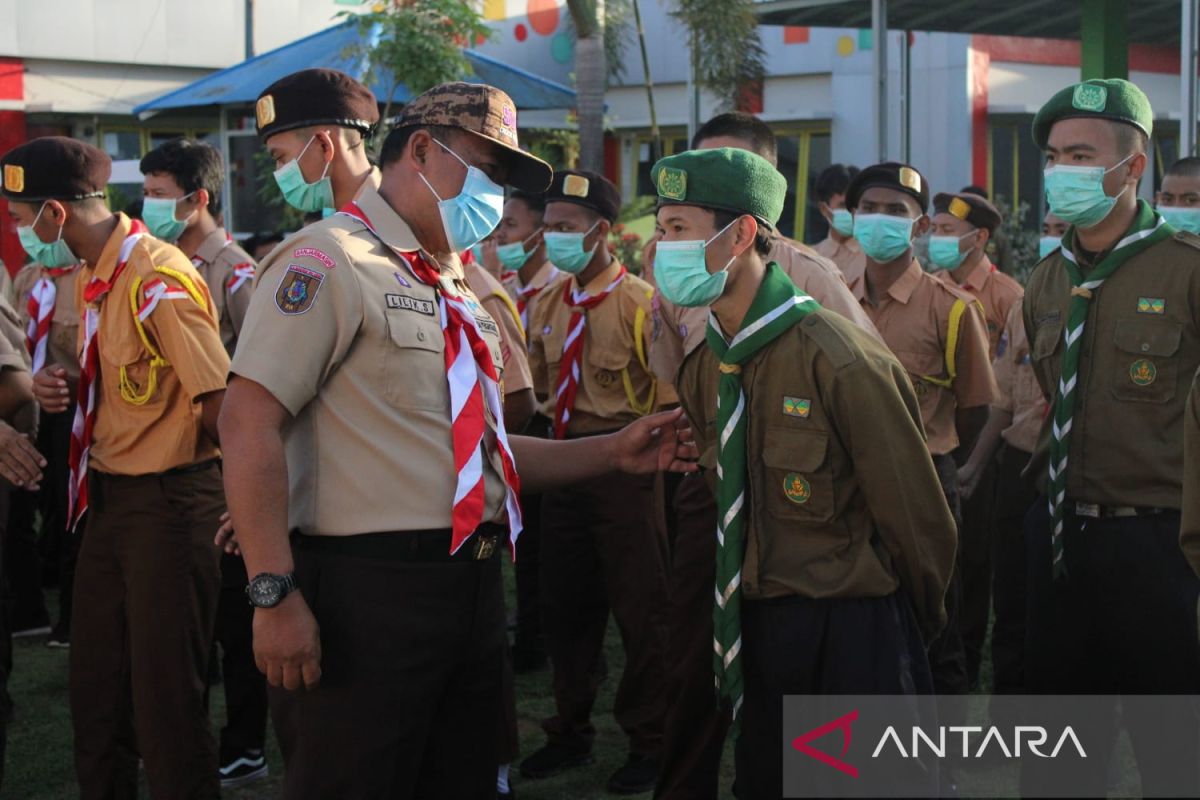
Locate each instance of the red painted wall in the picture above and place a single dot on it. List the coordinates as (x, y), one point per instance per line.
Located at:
(12, 133)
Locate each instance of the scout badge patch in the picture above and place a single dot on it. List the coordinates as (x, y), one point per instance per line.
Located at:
(298, 289)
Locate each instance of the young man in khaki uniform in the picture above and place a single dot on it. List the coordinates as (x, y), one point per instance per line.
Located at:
(1178, 201)
(365, 420)
(938, 333)
(145, 465)
(1111, 317)
(588, 342)
(839, 245)
(695, 730)
(803, 421)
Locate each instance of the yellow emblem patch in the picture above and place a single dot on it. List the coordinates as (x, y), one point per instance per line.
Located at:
(910, 179)
(672, 183)
(796, 488)
(797, 407)
(14, 177)
(576, 186)
(1143, 372)
(959, 208)
(1151, 305)
(264, 110)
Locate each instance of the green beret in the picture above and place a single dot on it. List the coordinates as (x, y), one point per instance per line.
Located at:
(971, 208)
(889, 175)
(1112, 98)
(587, 189)
(54, 168)
(315, 97)
(725, 178)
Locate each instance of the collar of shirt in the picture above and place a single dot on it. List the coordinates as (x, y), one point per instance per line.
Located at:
(212, 245)
(111, 254)
(600, 282)
(540, 278)
(387, 223)
(372, 182)
(980, 275)
(901, 289)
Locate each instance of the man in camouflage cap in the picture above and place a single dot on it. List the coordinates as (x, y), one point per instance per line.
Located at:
(816, 542)
(365, 418)
(1113, 601)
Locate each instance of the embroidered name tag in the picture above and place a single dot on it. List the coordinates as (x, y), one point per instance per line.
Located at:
(406, 303)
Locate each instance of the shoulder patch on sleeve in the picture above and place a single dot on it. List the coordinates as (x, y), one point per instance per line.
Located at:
(315, 254)
(298, 289)
(836, 346)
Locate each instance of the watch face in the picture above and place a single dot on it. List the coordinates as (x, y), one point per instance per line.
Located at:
(265, 592)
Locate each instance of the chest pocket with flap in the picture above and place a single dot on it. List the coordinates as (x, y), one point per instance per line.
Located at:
(798, 485)
(414, 365)
(1145, 367)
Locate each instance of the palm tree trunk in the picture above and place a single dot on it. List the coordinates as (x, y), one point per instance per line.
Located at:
(591, 78)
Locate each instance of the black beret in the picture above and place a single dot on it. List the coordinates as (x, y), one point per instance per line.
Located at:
(890, 175)
(586, 189)
(54, 168)
(968, 206)
(315, 97)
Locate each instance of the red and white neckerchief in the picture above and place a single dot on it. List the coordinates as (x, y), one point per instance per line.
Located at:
(527, 293)
(507, 275)
(242, 274)
(474, 386)
(572, 357)
(41, 313)
(89, 373)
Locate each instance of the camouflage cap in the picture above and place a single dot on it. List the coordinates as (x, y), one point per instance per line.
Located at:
(54, 168)
(484, 111)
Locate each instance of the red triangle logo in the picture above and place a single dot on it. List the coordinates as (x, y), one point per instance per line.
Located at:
(801, 743)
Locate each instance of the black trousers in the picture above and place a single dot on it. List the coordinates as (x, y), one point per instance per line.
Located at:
(1014, 496)
(245, 687)
(59, 546)
(947, 658)
(797, 645)
(1121, 621)
(23, 564)
(975, 565)
(410, 696)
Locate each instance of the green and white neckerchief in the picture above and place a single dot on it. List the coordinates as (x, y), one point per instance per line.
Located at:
(1148, 228)
(777, 306)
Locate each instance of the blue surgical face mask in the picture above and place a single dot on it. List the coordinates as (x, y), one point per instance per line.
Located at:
(1047, 245)
(565, 250)
(299, 193)
(682, 275)
(944, 252)
(882, 236)
(1076, 194)
(1184, 218)
(159, 215)
(512, 255)
(49, 254)
(472, 214)
(843, 221)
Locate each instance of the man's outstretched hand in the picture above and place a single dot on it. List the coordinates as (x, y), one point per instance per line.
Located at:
(657, 443)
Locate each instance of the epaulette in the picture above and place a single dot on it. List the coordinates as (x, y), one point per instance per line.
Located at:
(833, 342)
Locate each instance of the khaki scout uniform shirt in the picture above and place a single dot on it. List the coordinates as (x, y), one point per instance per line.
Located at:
(1127, 430)
(1020, 394)
(501, 308)
(545, 274)
(15, 355)
(165, 430)
(350, 343)
(62, 346)
(216, 259)
(843, 254)
(678, 331)
(861, 532)
(996, 292)
(913, 317)
(609, 351)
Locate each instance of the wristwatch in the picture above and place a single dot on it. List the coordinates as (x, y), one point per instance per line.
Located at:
(267, 590)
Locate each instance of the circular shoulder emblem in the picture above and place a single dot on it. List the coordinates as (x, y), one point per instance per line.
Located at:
(796, 488)
(1143, 372)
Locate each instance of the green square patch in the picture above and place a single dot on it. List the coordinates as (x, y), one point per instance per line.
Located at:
(797, 407)
(1090, 97)
(672, 183)
(1151, 305)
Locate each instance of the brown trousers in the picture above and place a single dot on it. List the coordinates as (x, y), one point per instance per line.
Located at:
(412, 654)
(601, 551)
(146, 589)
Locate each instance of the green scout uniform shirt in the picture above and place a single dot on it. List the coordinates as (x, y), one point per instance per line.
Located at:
(843, 497)
(1141, 345)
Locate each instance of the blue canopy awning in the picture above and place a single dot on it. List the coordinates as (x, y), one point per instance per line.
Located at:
(333, 48)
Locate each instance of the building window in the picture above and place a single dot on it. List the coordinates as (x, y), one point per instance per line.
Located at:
(1015, 166)
(121, 143)
(803, 153)
(672, 143)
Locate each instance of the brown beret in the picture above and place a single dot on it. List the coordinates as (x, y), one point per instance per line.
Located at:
(890, 175)
(484, 111)
(586, 189)
(970, 207)
(315, 97)
(54, 168)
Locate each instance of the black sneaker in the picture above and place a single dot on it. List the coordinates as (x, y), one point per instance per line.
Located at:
(239, 767)
(638, 775)
(554, 758)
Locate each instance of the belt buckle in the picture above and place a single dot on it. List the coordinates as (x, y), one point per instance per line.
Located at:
(1087, 510)
(484, 547)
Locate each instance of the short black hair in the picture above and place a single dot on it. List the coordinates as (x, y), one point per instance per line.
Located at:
(534, 202)
(193, 164)
(1130, 139)
(133, 209)
(834, 179)
(764, 240)
(746, 127)
(1187, 167)
(397, 140)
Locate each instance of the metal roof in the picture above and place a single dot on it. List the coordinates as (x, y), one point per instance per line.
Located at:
(333, 48)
